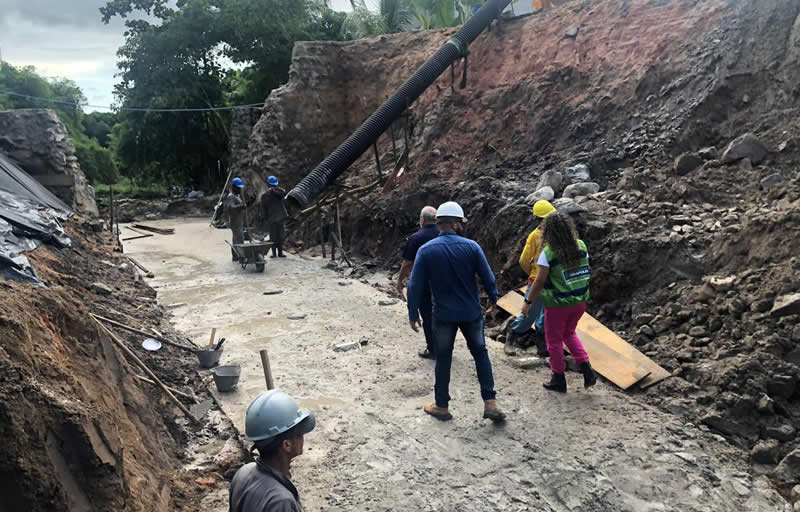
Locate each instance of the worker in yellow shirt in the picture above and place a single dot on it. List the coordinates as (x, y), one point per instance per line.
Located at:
(527, 260)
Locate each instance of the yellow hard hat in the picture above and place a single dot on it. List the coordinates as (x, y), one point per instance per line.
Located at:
(543, 208)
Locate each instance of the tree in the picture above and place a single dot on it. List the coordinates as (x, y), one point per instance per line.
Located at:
(179, 57)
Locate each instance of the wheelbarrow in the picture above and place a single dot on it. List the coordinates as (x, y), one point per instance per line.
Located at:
(251, 252)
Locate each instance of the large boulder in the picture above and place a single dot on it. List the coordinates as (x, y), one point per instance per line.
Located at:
(545, 193)
(39, 142)
(789, 468)
(552, 179)
(578, 174)
(581, 189)
(747, 146)
(686, 163)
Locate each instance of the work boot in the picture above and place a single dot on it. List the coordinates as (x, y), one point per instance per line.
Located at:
(589, 375)
(511, 336)
(274, 252)
(558, 382)
(280, 253)
(440, 413)
(492, 412)
(426, 354)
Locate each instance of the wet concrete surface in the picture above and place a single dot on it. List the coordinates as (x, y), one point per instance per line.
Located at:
(374, 448)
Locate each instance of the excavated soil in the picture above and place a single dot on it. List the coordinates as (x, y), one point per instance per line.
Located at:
(641, 83)
(80, 432)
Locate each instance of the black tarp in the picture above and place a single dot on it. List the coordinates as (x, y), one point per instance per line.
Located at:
(29, 216)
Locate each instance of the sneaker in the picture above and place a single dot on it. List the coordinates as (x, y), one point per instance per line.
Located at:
(491, 411)
(440, 413)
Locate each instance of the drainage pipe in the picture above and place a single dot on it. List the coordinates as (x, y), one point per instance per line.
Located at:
(365, 136)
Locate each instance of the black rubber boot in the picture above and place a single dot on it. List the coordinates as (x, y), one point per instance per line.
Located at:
(274, 252)
(541, 345)
(558, 382)
(589, 375)
(280, 252)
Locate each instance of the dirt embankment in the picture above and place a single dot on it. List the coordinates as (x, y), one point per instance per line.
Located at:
(80, 431)
(688, 259)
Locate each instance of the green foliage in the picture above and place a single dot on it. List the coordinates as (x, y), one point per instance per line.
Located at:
(127, 188)
(182, 60)
(96, 161)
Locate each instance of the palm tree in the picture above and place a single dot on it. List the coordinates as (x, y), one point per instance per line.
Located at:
(398, 14)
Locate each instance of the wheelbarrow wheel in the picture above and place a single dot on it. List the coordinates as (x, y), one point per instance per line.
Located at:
(259, 262)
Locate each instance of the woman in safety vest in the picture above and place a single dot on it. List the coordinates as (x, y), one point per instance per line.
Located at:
(563, 281)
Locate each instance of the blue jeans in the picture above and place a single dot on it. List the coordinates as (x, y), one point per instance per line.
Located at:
(426, 313)
(535, 317)
(445, 335)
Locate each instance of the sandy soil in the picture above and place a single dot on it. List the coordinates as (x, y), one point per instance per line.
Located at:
(374, 448)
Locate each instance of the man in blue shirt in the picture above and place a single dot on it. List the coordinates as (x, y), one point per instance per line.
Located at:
(448, 265)
(427, 232)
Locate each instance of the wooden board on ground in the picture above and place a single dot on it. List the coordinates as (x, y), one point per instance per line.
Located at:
(609, 363)
(588, 325)
(160, 231)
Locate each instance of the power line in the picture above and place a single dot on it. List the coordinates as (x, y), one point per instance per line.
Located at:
(130, 109)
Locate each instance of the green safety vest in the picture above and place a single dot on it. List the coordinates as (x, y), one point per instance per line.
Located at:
(566, 286)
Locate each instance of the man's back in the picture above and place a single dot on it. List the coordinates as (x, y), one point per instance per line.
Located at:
(449, 264)
(272, 204)
(258, 488)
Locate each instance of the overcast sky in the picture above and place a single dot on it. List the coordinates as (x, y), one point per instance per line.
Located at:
(67, 38)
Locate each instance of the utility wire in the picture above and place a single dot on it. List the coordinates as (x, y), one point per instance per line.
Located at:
(130, 109)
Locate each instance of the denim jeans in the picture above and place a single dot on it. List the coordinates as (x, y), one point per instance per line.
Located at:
(426, 313)
(445, 335)
(523, 323)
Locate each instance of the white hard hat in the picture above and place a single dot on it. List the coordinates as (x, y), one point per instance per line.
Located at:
(450, 209)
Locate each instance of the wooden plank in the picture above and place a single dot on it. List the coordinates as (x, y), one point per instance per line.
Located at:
(160, 231)
(609, 363)
(588, 325)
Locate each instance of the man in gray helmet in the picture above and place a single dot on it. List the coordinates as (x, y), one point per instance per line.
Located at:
(276, 426)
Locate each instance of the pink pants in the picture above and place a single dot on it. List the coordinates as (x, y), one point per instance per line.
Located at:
(559, 329)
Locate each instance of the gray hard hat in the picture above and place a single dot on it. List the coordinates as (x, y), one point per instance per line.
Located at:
(274, 412)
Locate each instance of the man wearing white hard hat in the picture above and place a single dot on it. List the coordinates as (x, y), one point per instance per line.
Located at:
(448, 265)
(276, 425)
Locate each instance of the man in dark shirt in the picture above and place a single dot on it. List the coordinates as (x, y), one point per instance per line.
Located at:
(277, 426)
(274, 214)
(234, 209)
(427, 232)
(448, 265)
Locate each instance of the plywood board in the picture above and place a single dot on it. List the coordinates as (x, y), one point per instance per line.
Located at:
(608, 362)
(589, 326)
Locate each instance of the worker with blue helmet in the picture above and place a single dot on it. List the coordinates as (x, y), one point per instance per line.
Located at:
(273, 208)
(276, 426)
(234, 210)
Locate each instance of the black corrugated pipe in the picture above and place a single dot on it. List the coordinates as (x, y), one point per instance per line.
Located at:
(342, 157)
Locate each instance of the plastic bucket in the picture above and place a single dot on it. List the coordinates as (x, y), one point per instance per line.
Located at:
(226, 377)
(209, 358)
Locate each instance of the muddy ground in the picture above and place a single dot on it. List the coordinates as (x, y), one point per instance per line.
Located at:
(374, 449)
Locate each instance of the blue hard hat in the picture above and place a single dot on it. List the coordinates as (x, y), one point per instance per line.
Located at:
(272, 180)
(237, 182)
